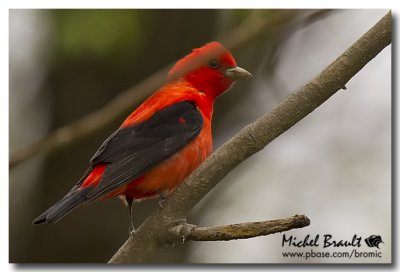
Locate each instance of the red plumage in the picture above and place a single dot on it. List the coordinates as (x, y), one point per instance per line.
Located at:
(163, 140)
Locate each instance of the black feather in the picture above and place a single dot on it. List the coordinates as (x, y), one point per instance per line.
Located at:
(62, 207)
(131, 152)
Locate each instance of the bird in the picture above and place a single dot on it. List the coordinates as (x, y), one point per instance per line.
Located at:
(162, 141)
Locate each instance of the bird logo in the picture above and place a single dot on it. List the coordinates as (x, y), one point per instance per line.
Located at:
(373, 241)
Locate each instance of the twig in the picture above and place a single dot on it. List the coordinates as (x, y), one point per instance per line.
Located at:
(252, 139)
(93, 122)
(187, 232)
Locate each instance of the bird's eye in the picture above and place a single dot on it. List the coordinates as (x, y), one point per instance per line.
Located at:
(213, 63)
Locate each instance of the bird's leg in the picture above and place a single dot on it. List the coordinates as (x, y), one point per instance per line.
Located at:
(163, 197)
(131, 227)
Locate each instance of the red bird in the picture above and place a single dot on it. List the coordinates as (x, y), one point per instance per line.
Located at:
(162, 141)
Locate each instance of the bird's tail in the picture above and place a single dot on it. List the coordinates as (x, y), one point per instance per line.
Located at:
(62, 207)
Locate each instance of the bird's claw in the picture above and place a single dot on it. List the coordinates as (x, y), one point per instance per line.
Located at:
(161, 202)
(163, 199)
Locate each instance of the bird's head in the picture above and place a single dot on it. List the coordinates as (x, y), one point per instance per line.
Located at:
(211, 69)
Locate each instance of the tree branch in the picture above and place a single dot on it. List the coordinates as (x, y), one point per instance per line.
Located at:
(252, 139)
(93, 122)
(187, 232)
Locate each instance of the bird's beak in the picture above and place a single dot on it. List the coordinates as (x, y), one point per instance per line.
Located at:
(237, 73)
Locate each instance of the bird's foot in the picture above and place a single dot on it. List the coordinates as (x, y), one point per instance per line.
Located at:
(163, 199)
(132, 232)
(131, 229)
(161, 203)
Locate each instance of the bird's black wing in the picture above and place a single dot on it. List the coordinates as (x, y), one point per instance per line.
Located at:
(132, 151)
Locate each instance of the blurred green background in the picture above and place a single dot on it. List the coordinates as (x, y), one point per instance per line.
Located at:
(334, 166)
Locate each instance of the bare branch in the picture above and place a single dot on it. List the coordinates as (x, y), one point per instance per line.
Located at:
(188, 232)
(129, 99)
(252, 139)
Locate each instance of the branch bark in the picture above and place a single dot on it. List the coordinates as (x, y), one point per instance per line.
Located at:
(187, 232)
(252, 139)
(93, 122)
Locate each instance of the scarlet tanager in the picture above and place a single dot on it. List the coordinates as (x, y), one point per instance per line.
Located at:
(162, 141)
